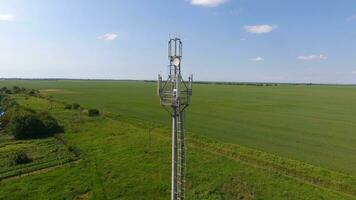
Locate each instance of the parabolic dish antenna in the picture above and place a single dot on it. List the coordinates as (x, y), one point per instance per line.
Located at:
(176, 61)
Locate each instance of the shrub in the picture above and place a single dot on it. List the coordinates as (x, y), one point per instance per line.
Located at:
(16, 89)
(74, 150)
(75, 106)
(19, 158)
(33, 92)
(7, 102)
(93, 112)
(6, 118)
(68, 106)
(51, 124)
(29, 125)
(4, 90)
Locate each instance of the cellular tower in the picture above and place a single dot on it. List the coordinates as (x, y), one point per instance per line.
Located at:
(175, 96)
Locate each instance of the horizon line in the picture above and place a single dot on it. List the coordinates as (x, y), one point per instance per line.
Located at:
(198, 81)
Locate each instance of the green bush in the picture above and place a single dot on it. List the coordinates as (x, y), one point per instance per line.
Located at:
(29, 125)
(5, 90)
(93, 112)
(19, 158)
(75, 106)
(16, 89)
(51, 124)
(68, 106)
(33, 92)
(7, 102)
(6, 118)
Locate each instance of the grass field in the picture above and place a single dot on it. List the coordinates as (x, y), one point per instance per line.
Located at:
(314, 124)
(117, 162)
(44, 153)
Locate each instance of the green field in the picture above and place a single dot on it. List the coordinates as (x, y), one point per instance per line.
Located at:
(314, 124)
(243, 140)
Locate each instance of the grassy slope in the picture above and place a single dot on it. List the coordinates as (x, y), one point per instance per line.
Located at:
(314, 124)
(118, 164)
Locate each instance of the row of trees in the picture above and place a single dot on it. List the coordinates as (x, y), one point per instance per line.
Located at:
(17, 90)
(92, 112)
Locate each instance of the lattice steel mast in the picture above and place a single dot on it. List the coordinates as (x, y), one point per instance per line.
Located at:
(175, 97)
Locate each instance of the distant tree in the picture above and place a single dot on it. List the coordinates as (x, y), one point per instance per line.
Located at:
(93, 112)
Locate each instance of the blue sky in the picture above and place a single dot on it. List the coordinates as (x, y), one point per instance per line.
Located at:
(224, 40)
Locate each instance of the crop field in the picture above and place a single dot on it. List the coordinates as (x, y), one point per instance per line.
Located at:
(244, 142)
(314, 124)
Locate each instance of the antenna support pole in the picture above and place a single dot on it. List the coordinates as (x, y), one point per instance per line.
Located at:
(175, 96)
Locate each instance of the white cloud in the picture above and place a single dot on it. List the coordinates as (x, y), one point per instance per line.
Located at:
(7, 17)
(313, 57)
(354, 72)
(108, 36)
(207, 3)
(258, 59)
(259, 29)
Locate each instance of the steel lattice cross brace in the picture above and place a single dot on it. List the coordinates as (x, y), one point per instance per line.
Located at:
(175, 96)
